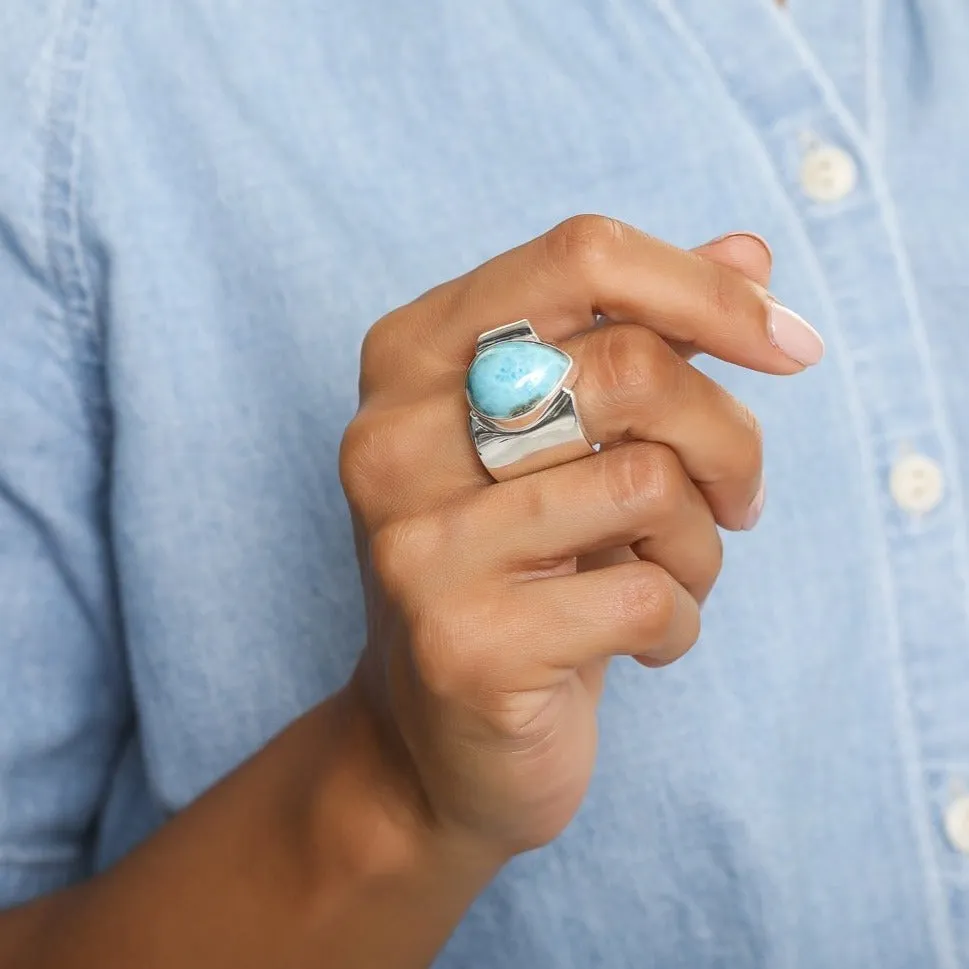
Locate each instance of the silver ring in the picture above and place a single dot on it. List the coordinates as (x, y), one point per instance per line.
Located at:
(523, 414)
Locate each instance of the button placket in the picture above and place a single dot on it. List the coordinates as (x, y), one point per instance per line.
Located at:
(892, 379)
(846, 220)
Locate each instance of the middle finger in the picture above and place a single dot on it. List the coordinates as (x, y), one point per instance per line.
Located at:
(631, 385)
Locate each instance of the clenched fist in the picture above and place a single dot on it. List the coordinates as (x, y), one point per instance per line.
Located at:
(493, 609)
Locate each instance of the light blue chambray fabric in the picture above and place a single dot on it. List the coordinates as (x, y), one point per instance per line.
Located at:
(203, 206)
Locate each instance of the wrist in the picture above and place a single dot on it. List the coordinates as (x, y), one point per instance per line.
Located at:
(373, 826)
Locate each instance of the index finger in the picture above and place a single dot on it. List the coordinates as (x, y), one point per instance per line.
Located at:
(590, 266)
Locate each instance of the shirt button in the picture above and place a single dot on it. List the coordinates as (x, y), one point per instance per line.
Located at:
(828, 173)
(956, 823)
(917, 484)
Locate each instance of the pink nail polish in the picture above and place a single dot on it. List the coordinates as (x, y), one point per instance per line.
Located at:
(793, 336)
(756, 507)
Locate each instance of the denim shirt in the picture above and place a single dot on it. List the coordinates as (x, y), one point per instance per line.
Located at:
(204, 204)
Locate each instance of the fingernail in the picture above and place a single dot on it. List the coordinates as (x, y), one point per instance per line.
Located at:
(756, 507)
(745, 235)
(793, 336)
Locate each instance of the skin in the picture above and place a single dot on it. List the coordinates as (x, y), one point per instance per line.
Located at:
(361, 834)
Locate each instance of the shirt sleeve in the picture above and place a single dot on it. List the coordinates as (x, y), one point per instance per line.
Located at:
(63, 687)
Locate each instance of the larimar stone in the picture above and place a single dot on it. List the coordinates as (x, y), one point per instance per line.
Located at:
(510, 378)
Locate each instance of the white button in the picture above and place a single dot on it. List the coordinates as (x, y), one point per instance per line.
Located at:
(956, 822)
(917, 484)
(828, 173)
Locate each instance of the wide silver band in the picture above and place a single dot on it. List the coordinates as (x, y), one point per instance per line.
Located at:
(549, 434)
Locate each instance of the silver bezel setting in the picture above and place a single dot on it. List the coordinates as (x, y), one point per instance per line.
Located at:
(520, 332)
(549, 433)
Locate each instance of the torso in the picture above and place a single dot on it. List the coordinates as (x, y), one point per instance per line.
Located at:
(267, 180)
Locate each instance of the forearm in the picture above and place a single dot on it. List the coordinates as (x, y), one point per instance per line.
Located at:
(310, 855)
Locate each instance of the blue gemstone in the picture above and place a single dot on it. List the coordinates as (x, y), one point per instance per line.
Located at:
(509, 379)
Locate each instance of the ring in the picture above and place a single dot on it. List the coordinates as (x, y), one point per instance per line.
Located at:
(523, 415)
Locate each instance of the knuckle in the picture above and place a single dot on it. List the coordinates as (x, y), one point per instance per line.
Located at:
(625, 360)
(583, 240)
(645, 476)
(668, 481)
(659, 600)
(648, 601)
(407, 337)
(386, 442)
(727, 297)
(445, 651)
(358, 452)
(449, 632)
(635, 368)
(404, 552)
(375, 454)
(377, 348)
(624, 475)
(370, 350)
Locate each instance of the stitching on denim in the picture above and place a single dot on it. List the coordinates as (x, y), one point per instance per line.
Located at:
(60, 203)
(937, 903)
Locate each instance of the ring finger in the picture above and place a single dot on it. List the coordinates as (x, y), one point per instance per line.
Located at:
(635, 495)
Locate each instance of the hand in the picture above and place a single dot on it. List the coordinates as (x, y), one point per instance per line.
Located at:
(487, 642)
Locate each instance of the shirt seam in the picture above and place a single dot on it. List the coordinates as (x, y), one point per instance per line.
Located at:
(60, 203)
